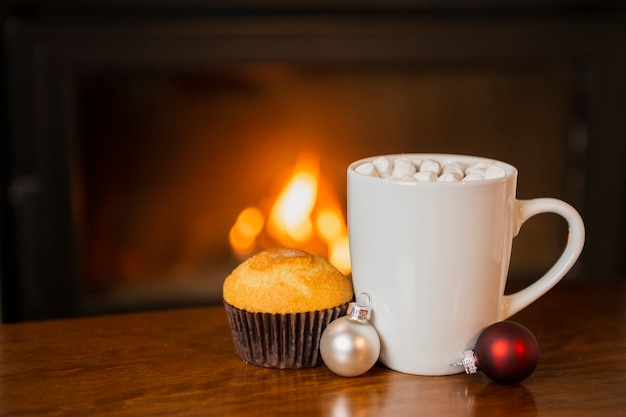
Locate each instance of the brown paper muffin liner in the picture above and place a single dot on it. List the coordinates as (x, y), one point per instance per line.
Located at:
(284, 341)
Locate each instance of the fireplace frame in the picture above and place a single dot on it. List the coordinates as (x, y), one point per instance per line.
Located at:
(46, 49)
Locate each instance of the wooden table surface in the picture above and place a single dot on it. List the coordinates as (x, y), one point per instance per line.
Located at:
(182, 363)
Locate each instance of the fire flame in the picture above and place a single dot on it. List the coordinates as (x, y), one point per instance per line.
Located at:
(247, 227)
(290, 218)
(305, 214)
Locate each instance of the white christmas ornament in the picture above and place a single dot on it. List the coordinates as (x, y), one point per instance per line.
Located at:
(350, 345)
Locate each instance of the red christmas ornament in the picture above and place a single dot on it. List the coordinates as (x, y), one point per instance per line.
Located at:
(506, 352)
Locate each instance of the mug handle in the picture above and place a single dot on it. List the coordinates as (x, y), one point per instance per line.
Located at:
(525, 209)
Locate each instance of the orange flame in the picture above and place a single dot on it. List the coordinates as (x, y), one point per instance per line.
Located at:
(246, 229)
(305, 214)
(290, 217)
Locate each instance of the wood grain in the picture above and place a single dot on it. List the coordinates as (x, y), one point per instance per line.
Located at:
(182, 363)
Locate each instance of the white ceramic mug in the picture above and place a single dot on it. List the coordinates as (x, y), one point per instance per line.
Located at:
(434, 258)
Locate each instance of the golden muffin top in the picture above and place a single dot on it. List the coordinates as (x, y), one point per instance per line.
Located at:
(286, 281)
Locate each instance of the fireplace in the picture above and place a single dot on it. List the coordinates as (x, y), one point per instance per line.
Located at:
(138, 139)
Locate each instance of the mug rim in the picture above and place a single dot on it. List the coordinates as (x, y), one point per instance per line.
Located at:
(510, 169)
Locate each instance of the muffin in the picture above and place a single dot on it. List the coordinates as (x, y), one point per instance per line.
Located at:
(278, 303)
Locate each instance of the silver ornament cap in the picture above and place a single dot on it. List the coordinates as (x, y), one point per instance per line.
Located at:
(469, 362)
(358, 310)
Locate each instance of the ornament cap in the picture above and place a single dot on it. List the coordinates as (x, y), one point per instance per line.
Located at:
(360, 310)
(469, 362)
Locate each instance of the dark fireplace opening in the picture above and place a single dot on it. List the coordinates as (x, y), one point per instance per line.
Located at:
(137, 146)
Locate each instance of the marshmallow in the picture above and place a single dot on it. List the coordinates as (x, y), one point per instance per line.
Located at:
(449, 177)
(367, 169)
(480, 171)
(425, 176)
(384, 166)
(430, 165)
(407, 178)
(472, 177)
(479, 168)
(454, 167)
(494, 171)
(402, 167)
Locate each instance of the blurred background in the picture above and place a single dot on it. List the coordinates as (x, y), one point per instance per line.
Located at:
(149, 147)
